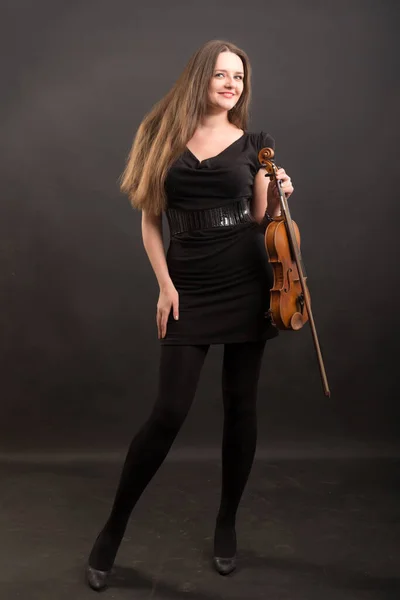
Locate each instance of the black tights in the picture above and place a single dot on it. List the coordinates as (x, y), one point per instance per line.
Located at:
(179, 373)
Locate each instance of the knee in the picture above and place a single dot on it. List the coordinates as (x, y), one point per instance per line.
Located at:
(168, 419)
(239, 410)
(243, 394)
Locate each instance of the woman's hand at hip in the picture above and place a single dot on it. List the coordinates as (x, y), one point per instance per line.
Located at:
(167, 300)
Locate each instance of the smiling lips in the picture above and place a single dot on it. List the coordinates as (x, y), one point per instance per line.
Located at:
(226, 94)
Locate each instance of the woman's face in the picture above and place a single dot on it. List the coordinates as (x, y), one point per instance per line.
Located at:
(226, 85)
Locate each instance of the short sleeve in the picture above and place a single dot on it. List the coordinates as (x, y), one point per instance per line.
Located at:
(265, 140)
(258, 142)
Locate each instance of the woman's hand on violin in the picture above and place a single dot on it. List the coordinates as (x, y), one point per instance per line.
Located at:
(167, 300)
(286, 185)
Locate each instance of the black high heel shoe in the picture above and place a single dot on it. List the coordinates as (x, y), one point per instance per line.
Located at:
(224, 566)
(224, 543)
(103, 552)
(96, 579)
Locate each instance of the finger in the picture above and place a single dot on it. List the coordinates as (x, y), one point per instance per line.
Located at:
(287, 183)
(164, 319)
(175, 309)
(284, 177)
(158, 321)
(288, 189)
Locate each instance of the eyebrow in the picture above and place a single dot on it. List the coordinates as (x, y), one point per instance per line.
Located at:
(225, 71)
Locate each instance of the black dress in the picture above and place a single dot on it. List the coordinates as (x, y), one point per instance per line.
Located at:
(221, 273)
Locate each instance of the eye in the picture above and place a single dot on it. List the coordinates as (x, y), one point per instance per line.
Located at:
(220, 75)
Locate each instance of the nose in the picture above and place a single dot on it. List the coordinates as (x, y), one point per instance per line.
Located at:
(229, 82)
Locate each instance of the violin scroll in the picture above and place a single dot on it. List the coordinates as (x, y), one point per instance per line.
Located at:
(265, 157)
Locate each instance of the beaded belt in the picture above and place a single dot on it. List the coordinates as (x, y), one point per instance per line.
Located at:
(189, 220)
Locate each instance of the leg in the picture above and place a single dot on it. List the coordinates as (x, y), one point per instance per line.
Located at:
(180, 368)
(241, 370)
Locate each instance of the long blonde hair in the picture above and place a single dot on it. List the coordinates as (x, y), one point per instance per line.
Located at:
(164, 132)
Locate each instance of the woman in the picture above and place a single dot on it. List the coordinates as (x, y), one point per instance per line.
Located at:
(193, 158)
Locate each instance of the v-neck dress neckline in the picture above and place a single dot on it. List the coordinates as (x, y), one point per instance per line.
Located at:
(200, 162)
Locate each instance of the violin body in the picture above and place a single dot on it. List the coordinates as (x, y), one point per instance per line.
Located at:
(288, 307)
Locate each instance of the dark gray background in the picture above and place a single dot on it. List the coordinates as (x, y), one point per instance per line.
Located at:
(79, 348)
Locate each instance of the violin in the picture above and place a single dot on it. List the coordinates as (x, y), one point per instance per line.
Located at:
(290, 306)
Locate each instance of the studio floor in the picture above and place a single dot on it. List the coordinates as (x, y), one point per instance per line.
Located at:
(307, 530)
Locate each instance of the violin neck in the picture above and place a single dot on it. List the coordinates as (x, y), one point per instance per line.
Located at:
(296, 254)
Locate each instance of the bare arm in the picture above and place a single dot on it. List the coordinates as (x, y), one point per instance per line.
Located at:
(153, 243)
(260, 201)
